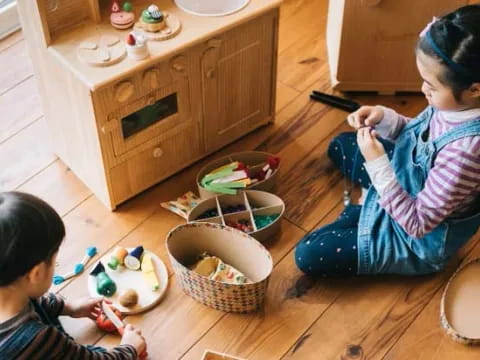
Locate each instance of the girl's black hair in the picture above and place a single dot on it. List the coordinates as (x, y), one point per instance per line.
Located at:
(457, 36)
(31, 232)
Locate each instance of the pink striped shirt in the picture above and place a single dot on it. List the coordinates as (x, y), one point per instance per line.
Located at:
(452, 185)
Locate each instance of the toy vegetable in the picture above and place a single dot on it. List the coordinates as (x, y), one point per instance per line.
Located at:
(132, 260)
(117, 258)
(148, 271)
(105, 285)
(105, 324)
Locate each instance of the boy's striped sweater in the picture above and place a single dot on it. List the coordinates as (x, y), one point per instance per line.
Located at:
(36, 333)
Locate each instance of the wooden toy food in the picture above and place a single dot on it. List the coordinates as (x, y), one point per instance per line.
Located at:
(148, 271)
(132, 260)
(117, 257)
(129, 298)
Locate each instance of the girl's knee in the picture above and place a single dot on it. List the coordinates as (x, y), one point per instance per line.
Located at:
(307, 256)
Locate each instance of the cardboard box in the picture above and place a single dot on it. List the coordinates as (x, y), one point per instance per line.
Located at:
(236, 248)
(253, 159)
(254, 202)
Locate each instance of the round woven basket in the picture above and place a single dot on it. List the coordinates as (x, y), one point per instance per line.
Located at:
(459, 314)
(249, 158)
(186, 242)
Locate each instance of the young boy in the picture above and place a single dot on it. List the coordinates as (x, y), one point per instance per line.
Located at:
(30, 235)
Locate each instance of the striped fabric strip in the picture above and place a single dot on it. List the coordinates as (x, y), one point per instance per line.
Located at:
(46, 338)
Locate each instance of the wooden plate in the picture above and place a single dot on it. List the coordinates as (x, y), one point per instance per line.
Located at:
(129, 279)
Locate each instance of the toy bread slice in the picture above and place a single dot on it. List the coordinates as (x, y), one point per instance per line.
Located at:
(149, 273)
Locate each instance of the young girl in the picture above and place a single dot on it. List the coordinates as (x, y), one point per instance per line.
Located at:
(422, 175)
(30, 234)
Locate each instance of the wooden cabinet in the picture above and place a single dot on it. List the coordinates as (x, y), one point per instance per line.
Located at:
(123, 128)
(238, 69)
(371, 43)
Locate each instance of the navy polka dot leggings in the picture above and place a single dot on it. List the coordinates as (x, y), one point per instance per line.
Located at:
(332, 249)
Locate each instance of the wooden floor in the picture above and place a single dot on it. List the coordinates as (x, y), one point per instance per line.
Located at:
(366, 318)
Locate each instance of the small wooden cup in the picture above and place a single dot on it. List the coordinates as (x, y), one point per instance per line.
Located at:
(243, 252)
(252, 159)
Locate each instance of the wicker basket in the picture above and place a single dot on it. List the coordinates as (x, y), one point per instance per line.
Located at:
(249, 158)
(255, 203)
(186, 242)
(459, 304)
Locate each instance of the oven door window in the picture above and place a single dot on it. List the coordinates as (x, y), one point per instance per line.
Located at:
(149, 115)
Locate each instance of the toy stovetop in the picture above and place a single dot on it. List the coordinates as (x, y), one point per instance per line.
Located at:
(195, 29)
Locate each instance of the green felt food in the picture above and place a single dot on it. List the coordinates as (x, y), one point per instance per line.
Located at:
(147, 18)
(105, 285)
(127, 6)
(262, 221)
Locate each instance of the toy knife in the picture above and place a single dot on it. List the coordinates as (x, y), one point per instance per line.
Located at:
(119, 324)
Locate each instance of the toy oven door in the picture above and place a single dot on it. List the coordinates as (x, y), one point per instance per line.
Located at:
(160, 114)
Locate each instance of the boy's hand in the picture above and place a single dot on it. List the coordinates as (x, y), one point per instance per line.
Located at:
(133, 336)
(365, 116)
(369, 145)
(83, 307)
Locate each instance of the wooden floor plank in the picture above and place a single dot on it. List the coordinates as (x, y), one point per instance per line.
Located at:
(18, 65)
(19, 107)
(24, 156)
(293, 303)
(58, 186)
(303, 62)
(425, 338)
(300, 19)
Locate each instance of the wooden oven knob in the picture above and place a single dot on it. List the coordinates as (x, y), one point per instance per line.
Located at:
(151, 79)
(179, 64)
(157, 152)
(124, 91)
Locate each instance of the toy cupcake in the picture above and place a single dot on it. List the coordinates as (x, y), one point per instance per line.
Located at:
(136, 46)
(152, 19)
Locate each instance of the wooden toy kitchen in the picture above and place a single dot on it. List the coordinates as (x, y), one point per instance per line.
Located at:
(129, 103)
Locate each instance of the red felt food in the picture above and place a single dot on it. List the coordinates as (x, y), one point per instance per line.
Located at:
(273, 161)
(105, 324)
(131, 40)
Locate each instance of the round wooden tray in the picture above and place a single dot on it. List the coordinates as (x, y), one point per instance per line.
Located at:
(105, 50)
(129, 279)
(172, 28)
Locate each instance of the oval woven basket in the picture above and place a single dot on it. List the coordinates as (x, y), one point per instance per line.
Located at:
(186, 242)
(459, 309)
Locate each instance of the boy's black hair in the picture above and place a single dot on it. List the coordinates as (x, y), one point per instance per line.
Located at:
(457, 35)
(31, 232)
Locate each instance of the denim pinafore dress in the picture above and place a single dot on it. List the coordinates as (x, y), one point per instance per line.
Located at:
(383, 245)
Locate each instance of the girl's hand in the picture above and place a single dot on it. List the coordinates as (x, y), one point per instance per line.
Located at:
(83, 307)
(369, 145)
(365, 116)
